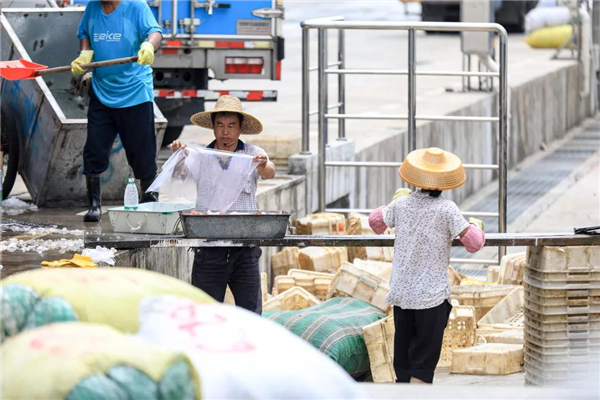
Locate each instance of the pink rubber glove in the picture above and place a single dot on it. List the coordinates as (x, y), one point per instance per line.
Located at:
(474, 239)
(376, 221)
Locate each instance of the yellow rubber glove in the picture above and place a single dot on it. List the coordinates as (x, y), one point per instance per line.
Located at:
(77, 261)
(56, 264)
(476, 222)
(401, 193)
(146, 54)
(85, 57)
(83, 261)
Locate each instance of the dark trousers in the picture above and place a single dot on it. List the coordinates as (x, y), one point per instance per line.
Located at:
(418, 341)
(135, 127)
(217, 267)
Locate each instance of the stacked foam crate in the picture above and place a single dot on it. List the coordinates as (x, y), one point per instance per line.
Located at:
(562, 315)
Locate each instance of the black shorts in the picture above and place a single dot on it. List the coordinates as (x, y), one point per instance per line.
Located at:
(135, 127)
(418, 341)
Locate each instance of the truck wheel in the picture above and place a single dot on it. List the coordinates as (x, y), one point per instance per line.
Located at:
(10, 156)
(172, 133)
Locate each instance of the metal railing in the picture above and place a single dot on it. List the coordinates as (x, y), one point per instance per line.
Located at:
(324, 69)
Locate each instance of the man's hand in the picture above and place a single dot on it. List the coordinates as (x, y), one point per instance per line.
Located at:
(85, 57)
(176, 145)
(265, 168)
(261, 161)
(146, 54)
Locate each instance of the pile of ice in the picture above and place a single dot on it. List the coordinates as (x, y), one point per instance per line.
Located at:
(101, 255)
(41, 246)
(15, 206)
(39, 230)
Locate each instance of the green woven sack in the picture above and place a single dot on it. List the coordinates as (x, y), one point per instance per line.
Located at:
(335, 327)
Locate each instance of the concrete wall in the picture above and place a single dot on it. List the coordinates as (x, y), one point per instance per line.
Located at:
(340, 180)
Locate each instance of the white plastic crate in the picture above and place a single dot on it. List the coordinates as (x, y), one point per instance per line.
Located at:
(559, 285)
(554, 258)
(507, 314)
(560, 309)
(564, 343)
(561, 318)
(149, 218)
(538, 323)
(562, 335)
(566, 374)
(482, 297)
(571, 275)
(565, 355)
(562, 293)
(572, 298)
(575, 367)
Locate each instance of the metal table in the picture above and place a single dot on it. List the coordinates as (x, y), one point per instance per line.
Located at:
(131, 241)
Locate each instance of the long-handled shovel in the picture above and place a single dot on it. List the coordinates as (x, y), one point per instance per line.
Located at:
(23, 69)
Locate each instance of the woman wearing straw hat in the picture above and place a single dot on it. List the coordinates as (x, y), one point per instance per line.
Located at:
(425, 224)
(215, 268)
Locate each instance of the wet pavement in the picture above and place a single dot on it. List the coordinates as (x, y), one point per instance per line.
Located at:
(47, 235)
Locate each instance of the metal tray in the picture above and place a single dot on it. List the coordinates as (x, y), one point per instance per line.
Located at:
(235, 225)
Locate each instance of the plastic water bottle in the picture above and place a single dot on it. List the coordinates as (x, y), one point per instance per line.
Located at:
(131, 194)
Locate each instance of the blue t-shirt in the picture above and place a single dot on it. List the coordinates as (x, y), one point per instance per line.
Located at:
(116, 35)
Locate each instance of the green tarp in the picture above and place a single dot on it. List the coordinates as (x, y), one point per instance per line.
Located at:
(335, 327)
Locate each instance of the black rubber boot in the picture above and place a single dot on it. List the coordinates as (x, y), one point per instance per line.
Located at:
(148, 197)
(94, 199)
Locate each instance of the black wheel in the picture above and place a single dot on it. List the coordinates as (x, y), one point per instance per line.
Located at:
(10, 155)
(172, 133)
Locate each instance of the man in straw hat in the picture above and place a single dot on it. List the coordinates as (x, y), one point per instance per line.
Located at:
(215, 268)
(425, 224)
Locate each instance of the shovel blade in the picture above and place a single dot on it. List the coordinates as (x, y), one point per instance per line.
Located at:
(19, 69)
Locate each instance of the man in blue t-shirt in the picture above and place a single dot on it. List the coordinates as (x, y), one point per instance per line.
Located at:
(121, 96)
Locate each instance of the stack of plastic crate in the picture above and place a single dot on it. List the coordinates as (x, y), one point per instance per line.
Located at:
(562, 315)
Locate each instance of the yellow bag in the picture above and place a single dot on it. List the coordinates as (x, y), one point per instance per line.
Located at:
(109, 296)
(79, 361)
(551, 37)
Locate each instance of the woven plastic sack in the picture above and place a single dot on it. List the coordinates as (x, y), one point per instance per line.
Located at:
(215, 177)
(75, 361)
(108, 296)
(335, 327)
(240, 355)
(549, 38)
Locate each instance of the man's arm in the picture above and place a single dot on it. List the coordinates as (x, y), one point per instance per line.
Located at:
(85, 44)
(154, 39)
(266, 169)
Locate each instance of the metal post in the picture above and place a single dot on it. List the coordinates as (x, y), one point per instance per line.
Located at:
(342, 84)
(174, 22)
(322, 82)
(502, 145)
(412, 96)
(305, 91)
(596, 46)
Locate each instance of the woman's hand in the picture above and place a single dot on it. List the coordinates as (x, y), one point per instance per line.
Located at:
(477, 222)
(176, 145)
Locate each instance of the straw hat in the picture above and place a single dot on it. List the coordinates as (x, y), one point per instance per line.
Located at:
(250, 125)
(433, 169)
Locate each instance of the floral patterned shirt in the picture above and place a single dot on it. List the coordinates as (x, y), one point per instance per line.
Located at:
(425, 227)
